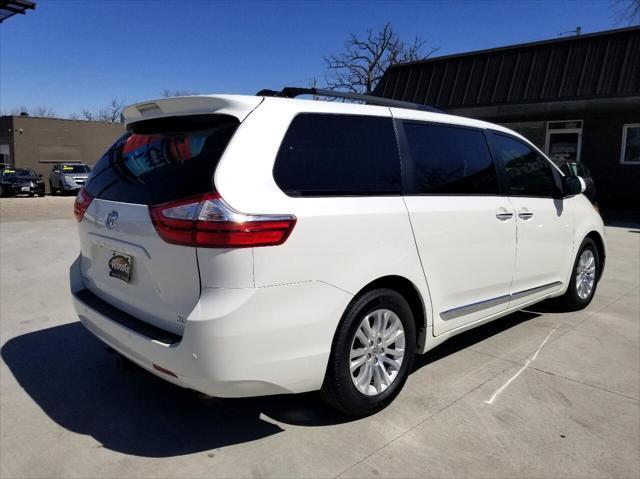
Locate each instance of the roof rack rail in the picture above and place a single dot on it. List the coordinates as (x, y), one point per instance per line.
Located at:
(292, 92)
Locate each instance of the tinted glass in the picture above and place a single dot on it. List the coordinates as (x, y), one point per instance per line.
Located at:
(75, 169)
(338, 155)
(582, 170)
(567, 169)
(162, 160)
(528, 173)
(631, 152)
(18, 172)
(448, 160)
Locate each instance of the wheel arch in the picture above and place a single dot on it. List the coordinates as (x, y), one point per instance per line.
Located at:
(602, 253)
(411, 293)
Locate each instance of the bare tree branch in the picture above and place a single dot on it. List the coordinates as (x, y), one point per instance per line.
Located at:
(168, 92)
(19, 110)
(38, 111)
(111, 112)
(360, 67)
(43, 112)
(627, 12)
(87, 115)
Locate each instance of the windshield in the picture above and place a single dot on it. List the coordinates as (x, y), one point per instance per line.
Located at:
(76, 169)
(8, 173)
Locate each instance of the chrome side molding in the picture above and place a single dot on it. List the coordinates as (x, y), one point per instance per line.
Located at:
(475, 307)
(490, 303)
(537, 289)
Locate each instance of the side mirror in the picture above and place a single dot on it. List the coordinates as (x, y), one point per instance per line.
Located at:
(573, 185)
(39, 175)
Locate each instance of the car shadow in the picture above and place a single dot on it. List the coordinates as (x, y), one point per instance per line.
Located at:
(71, 377)
(471, 337)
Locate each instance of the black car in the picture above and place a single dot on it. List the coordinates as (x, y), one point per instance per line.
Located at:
(573, 168)
(20, 181)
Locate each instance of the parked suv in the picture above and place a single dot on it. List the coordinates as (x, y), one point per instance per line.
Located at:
(255, 245)
(68, 177)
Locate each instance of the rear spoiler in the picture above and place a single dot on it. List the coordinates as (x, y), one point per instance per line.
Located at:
(238, 106)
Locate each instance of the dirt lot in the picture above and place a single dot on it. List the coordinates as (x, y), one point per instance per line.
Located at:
(565, 389)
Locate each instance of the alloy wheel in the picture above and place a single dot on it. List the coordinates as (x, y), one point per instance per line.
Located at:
(377, 352)
(585, 274)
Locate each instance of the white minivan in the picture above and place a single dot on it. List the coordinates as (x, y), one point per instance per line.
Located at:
(255, 245)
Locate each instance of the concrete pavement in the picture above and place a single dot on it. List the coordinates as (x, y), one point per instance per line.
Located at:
(67, 411)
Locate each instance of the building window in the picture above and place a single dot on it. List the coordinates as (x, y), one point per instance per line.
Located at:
(4, 156)
(630, 154)
(564, 140)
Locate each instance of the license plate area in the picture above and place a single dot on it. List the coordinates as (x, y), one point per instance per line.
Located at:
(120, 266)
(25, 188)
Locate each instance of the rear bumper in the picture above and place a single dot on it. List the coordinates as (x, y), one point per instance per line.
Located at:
(236, 342)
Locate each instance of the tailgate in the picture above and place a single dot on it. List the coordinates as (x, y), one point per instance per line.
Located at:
(161, 284)
(124, 260)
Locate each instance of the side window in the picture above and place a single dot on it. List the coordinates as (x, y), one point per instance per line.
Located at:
(528, 174)
(566, 169)
(338, 155)
(582, 170)
(448, 160)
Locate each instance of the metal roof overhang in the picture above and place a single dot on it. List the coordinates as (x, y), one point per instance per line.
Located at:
(586, 67)
(518, 112)
(9, 8)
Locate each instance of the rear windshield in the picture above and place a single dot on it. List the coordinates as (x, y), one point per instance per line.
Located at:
(75, 169)
(162, 160)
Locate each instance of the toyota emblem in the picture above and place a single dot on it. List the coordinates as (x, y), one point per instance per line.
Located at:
(111, 219)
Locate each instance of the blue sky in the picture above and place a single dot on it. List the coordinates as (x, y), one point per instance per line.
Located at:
(70, 55)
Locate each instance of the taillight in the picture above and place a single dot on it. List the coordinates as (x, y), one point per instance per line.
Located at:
(207, 221)
(83, 200)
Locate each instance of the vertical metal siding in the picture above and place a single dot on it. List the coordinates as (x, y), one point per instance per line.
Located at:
(591, 66)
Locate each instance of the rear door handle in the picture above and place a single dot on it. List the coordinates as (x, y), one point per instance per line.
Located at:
(525, 214)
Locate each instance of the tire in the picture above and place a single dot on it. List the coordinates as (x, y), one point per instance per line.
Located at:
(339, 390)
(53, 190)
(576, 298)
(41, 194)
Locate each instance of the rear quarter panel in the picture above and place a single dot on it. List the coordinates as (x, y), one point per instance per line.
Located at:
(346, 242)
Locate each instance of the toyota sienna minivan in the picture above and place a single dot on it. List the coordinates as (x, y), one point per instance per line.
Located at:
(256, 245)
